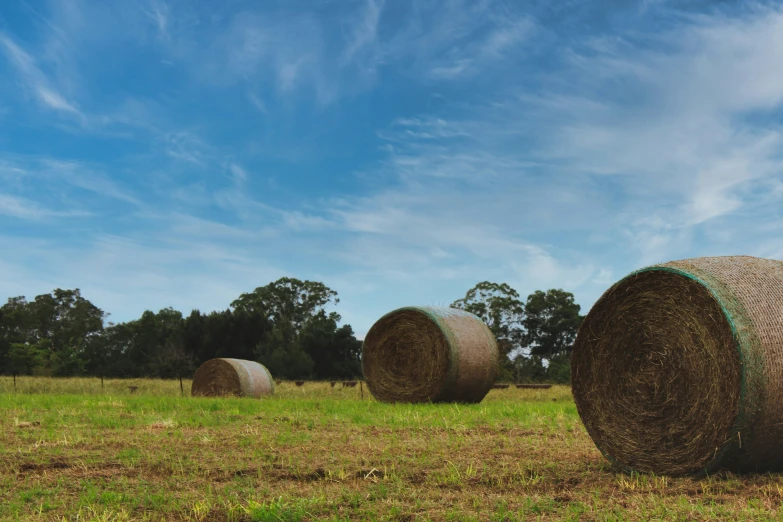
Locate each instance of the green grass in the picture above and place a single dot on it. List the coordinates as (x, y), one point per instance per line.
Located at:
(71, 451)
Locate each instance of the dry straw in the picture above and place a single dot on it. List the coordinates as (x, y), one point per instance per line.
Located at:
(429, 354)
(678, 368)
(222, 377)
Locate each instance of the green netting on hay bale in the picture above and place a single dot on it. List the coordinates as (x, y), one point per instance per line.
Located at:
(678, 368)
(429, 354)
(237, 377)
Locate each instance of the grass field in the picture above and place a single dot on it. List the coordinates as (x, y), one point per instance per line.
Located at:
(70, 450)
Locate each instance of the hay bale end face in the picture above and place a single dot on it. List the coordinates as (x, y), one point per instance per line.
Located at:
(678, 368)
(224, 377)
(429, 354)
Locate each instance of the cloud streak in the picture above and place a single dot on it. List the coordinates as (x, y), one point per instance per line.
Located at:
(38, 84)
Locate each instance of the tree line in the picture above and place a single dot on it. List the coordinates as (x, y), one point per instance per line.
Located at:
(284, 325)
(535, 336)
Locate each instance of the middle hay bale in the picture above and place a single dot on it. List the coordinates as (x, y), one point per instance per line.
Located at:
(429, 354)
(222, 377)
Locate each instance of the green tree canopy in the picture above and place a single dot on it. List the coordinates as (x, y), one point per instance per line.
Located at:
(551, 321)
(499, 306)
(288, 300)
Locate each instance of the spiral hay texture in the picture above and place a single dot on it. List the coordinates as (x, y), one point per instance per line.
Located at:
(223, 377)
(678, 368)
(429, 354)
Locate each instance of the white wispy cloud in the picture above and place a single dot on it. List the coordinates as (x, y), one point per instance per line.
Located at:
(238, 173)
(24, 208)
(489, 49)
(364, 32)
(38, 84)
(457, 39)
(158, 13)
(82, 176)
(689, 135)
(186, 146)
(568, 187)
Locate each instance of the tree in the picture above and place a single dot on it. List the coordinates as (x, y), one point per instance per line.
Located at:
(68, 361)
(282, 355)
(288, 300)
(498, 305)
(304, 340)
(174, 361)
(14, 328)
(64, 317)
(24, 358)
(559, 369)
(284, 324)
(529, 368)
(551, 322)
(335, 352)
(110, 352)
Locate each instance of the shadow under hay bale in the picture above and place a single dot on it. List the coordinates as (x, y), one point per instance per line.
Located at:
(533, 386)
(500, 386)
(429, 354)
(223, 377)
(678, 368)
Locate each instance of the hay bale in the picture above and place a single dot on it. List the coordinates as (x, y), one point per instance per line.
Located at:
(221, 377)
(533, 386)
(678, 368)
(423, 354)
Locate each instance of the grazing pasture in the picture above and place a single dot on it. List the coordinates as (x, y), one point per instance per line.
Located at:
(72, 450)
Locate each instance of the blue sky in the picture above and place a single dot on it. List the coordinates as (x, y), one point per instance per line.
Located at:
(178, 153)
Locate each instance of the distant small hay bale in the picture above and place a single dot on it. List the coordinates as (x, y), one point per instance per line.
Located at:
(534, 386)
(299, 383)
(429, 354)
(133, 389)
(499, 386)
(678, 368)
(349, 384)
(332, 383)
(278, 382)
(222, 377)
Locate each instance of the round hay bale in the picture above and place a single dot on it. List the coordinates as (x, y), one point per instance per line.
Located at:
(678, 368)
(221, 377)
(429, 354)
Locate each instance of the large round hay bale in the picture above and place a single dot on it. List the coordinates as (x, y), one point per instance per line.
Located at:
(429, 354)
(678, 368)
(221, 377)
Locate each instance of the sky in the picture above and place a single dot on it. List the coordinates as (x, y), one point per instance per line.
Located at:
(179, 153)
